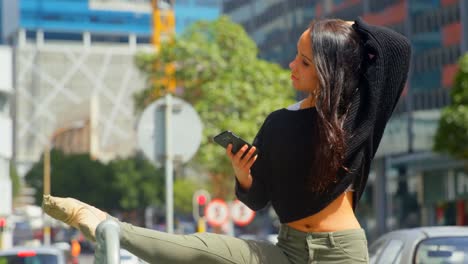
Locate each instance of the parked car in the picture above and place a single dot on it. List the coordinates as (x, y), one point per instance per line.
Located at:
(128, 258)
(437, 244)
(36, 255)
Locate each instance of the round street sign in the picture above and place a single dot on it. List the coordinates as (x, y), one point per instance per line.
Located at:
(186, 131)
(241, 214)
(217, 212)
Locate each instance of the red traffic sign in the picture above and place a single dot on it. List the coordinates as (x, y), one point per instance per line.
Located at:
(241, 214)
(217, 212)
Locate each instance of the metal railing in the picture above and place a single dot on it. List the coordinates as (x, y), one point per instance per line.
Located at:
(108, 243)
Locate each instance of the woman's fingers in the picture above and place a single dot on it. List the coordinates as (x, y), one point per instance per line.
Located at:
(251, 162)
(247, 158)
(239, 153)
(239, 159)
(229, 151)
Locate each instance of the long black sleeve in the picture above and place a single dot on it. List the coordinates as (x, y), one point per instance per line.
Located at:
(257, 197)
(386, 66)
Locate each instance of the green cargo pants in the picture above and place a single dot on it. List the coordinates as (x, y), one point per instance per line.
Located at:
(348, 246)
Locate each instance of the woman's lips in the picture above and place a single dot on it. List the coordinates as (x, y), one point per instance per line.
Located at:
(294, 78)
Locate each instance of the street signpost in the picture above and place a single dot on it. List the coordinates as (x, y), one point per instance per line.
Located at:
(169, 131)
(217, 212)
(241, 214)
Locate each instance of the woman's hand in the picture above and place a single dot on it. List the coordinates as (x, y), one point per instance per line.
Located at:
(242, 166)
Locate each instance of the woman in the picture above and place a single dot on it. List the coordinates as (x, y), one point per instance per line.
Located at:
(314, 157)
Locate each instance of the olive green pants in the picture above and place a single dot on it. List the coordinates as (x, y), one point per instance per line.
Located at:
(348, 246)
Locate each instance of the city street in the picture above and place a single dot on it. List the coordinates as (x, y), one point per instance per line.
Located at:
(86, 259)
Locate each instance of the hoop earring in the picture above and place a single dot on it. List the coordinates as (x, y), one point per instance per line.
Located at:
(314, 94)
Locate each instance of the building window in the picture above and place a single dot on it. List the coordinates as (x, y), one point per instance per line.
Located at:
(435, 19)
(211, 3)
(377, 6)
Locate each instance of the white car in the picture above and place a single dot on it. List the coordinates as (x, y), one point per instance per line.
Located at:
(128, 258)
(422, 245)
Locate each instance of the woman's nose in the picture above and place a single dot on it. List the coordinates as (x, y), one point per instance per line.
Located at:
(291, 65)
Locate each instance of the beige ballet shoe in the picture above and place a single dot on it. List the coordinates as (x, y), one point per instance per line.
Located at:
(74, 213)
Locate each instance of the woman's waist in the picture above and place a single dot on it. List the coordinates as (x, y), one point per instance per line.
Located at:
(338, 215)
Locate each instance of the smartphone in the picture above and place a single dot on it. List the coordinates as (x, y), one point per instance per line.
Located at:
(227, 137)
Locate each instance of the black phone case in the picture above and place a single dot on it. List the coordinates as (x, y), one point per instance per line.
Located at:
(227, 137)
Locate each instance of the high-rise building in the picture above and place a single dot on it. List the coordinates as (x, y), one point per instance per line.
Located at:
(272, 24)
(190, 11)
(75, 65)
(75, 71)
(407, 180)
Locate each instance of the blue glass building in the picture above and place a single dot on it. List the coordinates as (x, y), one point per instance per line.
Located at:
(189, 11)
(106, 20)
(68, 19)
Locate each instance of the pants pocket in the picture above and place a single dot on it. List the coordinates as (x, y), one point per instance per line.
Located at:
(355, 249)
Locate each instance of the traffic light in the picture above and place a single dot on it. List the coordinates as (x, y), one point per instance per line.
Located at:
(2, 225)
(200, 199)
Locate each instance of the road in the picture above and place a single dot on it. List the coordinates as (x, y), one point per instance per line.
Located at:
(86, 258)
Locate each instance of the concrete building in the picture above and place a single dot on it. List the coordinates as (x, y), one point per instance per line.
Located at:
(409, 184)
(70, 54)
(8, 25)
(72, 51)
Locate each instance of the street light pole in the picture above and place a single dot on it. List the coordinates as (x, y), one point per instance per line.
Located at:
(46, 182)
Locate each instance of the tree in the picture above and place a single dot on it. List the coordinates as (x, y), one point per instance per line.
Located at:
(183, 194)
(123, 184)
(76, 176)
(452, 134)
(231, 89)
(139, 183)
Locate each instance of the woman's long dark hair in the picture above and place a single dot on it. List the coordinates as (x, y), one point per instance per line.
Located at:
(337, 54)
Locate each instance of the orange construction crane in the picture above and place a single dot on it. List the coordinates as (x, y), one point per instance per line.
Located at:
(164, 30)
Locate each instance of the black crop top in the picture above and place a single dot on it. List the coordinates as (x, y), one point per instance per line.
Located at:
(286, 138)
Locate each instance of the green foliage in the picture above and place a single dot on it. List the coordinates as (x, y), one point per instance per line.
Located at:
(15, 180)
(76, 176)
(131, 183)
(452, 134)
(230, 88)
(183, 194)
(139, 183)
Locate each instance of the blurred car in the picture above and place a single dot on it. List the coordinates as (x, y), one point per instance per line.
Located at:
(272, 238)
(22, 233)
(128, 258)
(36, 255)
(437, 244)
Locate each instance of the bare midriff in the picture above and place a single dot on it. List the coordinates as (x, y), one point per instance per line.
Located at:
(338, 215)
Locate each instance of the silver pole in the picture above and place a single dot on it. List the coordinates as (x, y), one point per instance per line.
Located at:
(108, 243)
(169, 169)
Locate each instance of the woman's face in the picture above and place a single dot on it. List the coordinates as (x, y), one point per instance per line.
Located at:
(303, 73)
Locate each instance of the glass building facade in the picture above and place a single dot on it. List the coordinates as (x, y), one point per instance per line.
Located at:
(105, 20)
(189, 11)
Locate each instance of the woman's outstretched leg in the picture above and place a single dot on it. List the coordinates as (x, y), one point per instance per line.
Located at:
(204, 248)
(164, 248)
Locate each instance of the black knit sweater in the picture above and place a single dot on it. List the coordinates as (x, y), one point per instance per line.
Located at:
(287, 138)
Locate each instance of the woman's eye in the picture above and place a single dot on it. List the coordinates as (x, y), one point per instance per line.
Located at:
(305, 63)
